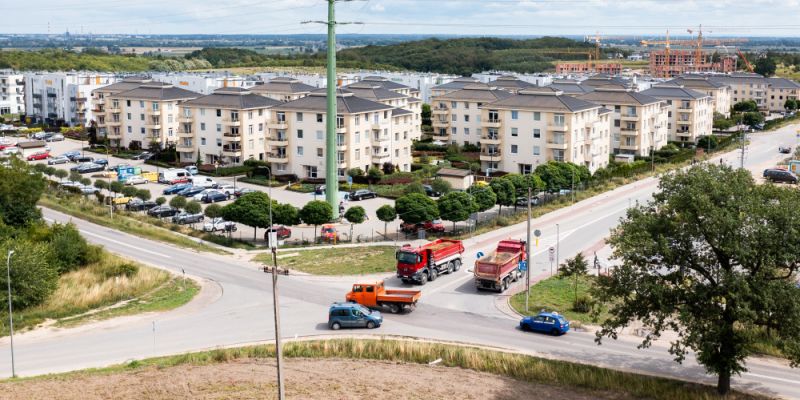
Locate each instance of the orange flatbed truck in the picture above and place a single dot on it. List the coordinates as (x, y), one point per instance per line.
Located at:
(375, 295)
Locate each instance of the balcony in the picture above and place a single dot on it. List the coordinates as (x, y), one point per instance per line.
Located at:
(282, 140)
(231, 121)
(150, 111)
(490, 156)
(683, 122)
(684, 133)
(341, 146)
(114, 123)
(440, 136)
(182, 147)
(436, 123)
(629, 117)
(185, 119)
(280, 158)
(628, 131)
(52, 95)
(112, 135)
(114, 109)
(341, 130)
(628, 146)
(99, 101)
(153, 125)
(282, 125)
(440, 111)
(232, 151)
(490, 139)
(183, 133)
(491, 123)
(232, 134)
(380, 158)
(557, 144)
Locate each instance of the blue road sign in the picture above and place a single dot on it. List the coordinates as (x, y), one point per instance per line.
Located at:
(523, 266)
(479, 255)
(349, 180)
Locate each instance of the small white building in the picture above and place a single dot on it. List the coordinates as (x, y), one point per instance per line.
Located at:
(459, 179)
(63, 97)
(203, 83)
(12, 92)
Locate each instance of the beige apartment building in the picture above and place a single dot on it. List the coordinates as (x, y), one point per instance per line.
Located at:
(721, 93)
(690, 113)
(457, 116)
(639, 122)
(778, 91)
(745, 86)
(407, 119)
(364, 130)
(100, 95)
(533, 127)
(226, 127)
(283, 88)
(388, 84)
(452, 86)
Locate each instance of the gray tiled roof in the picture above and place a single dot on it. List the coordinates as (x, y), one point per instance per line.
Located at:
(283, 84)
(370, 91)
(123, 85)
(234, 98)
(400, 111)
(543, 101)
(570, 87)
(604, 80)
(385, 83)
(157, 91)
(510, 82)
(458, 83)
(346, 103)
(783, 83)
(696, 82)
(476, 92)
(673, 92)
(614, 97)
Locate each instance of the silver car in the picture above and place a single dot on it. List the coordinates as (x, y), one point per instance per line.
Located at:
(58, 160)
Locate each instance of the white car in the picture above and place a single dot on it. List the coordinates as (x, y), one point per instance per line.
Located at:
(135, 180)
(219, 224)
(11, 150)
(203, 181)
(227, 189)
(199, 196)
(58, 160)
(55, 138)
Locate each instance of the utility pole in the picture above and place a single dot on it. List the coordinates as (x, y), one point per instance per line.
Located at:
(743, 138)
(558, 245)
(653, 150)
(10, 311)
(528, 255)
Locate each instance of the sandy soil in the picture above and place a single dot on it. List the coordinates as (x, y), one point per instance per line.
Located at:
(305, 379)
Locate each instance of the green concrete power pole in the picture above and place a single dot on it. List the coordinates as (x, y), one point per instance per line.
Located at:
(331, 178)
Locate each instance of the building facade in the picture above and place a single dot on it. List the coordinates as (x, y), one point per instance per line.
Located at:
(62, 98)
(12, 93)
(721, 94)
(457, 116)
(283, 88)
(690, 113)
(202, 83)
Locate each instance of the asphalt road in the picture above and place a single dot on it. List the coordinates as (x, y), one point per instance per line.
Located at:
(240, 309)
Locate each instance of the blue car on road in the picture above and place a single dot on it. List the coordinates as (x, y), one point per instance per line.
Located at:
(353, 315)
(177, 188)
(546, 322)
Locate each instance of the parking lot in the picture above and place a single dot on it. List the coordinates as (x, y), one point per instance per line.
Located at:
(372, 228)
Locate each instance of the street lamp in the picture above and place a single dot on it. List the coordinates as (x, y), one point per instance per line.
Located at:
(10, 311)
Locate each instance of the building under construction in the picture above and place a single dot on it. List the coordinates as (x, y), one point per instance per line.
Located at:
(672, 63)
(585, 68)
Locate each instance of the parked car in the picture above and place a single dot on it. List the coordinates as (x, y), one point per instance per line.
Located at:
(88, 190)
(41, 135)
(214, 196)
(88, 168)
(353, 315)
(784, 149)
(174, 189)
(186, 218)
(135, 180)
(241, 191)
(192, 169)
(55, 138)
(203, 181)
(523, 201)
(436, 225)
(64, 184)
(71, 154)
(362, 194)
(320, 190)
(282, 232)
(227, 189)
(430, 192)
(39, 155)
(146, 155)
(82, 159)
(58, 160)
(162, 211)
(780, 175)
(199, 196)
(546, 322)
(101, 161)
(328, 233)
(219, 224)
(140, 205)
(190, 191)
(8, 151)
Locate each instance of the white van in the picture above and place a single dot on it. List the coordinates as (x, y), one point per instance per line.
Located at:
(203, 181)
(174, 175)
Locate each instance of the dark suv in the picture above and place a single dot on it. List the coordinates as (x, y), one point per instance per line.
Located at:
(780, 175)
(362, 194)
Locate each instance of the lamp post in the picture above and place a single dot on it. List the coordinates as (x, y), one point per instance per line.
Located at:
(10, 311)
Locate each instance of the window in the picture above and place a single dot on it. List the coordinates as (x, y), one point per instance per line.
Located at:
(299, 150)
(169, 132)
(453, 130)
(537, 116)
(319, 152)
(357, 120)
(466, 131)
(141, 117)
(203, 141)
(514, 114)
(130, 130)
(319, 117)
(202, 126)
(142, 130)
(219, 142)
(250, 129)
(558, 119)
(219, 127)
(261, 127)
(454, 117)
(466, 118)
(454, 104)
(358, 137)
(617, 108)
(536, 150)
(537, 134)
(616, 122)
(299, 133)
(319, 135)
(129, 116)
(219, 112)
(514, 132)
(466, 105)
(358, 154)
(513, 149)
(127, 103)
(260, 112)
(141, 103)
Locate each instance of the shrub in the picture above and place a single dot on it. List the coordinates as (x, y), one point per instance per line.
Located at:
(583, 304)
(119, 270)
(69, 249)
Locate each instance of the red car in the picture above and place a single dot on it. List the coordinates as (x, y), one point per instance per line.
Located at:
(430, 226)
(282, 232)
(41, 155)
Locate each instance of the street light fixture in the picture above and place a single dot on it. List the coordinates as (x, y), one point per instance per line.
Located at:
(10, 311)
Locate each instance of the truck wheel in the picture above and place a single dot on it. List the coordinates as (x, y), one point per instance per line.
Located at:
(394, 308)
(370, 325)
(450, 267)
(423, 279)
(434, 275)
(457, 264)
(504, 285)
(335, 326)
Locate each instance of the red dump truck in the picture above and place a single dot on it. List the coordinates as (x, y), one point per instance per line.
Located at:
(425, 263)
(498, 269)
(375, 295)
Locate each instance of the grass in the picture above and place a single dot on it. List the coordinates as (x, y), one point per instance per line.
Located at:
(126, 222)
(338, 261)
(556, 294)
(262, 181)
(788, 72)
(515, 366)
(101, 285)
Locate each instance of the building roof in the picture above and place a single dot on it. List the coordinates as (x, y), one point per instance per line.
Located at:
(396, 112)
(607, 96)
(456, 84)
(604, 80)
(604, 110)
(123, 85)
(570, 87)
(283, 84)
(385, 82)
(346, 103)
(543, 101)
(234, 98)
(783, 83)
(510, 82)
(696, 82)
(370, 91)
(157, 91)
(734, 79)
(673, 92)
(454, 172)
(477, 92)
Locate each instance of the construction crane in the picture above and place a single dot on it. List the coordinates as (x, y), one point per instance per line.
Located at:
(749, 67)
(588, 54)
(597, 39)
(696, 43)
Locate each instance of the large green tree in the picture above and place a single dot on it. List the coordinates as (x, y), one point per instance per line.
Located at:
(456, 207)
(415, 208)
(33, 277)
(504, 191)
(316, 213)
(252, 209)
(765, 66)
(712, 257)
(19, 192)
(483, 196)
(386, 213)
(752, 118)
(355, 215)
(285, 214)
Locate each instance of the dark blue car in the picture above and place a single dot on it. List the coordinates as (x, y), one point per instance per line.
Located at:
(177, 188)
(191, 191)
(546, 322)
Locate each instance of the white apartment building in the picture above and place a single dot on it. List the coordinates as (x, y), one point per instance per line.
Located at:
(745, 86)
(203, 83)
(639, 122)
(283, 88)
(364, 130)
(226, 127)
(408, 109)
(690, 113)
(12, 93)
(780, 90)
(62, 97)
(533, 79)
(421, 82)
(457, 116)
(144, 114)
(532, 127)
(721, 94)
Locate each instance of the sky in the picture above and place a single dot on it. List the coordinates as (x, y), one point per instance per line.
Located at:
(454, 17)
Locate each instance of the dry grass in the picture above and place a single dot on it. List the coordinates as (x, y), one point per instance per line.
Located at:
(338, 261)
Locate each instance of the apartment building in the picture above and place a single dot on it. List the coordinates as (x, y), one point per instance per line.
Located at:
(535, 126)
(203, 83)
(456, 116)
(364, 136)
(226, 127)
(778, 91)
(419, 82)
(510, 83)
(570, 87)
(639, 122)
(283, 88)
(690, 113)
(99, 96)
(388, 84)
(721, 94)
(407, 113)
(745, 86)
(452, 86)
(62, 98)
(12, 93)
(145, 114)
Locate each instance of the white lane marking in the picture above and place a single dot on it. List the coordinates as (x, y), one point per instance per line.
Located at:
(125, 244)
(770, 377)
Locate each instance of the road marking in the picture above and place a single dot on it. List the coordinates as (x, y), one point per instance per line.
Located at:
(125, 244)
(793, 381)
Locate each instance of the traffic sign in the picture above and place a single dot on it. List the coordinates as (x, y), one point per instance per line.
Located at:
(523, 266)
(552, 253)
(479, 255)
(537, 233)
(349, 180)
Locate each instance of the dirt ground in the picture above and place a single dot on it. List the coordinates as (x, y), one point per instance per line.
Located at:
(305, 379)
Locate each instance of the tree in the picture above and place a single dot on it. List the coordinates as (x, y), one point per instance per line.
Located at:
(355, 215)
(75, 176)
(50, 171)
(161, 200)
(143, 194)
(19, 193)
(416, 208)
(213, 211)
(707, 142)
(374, 174)
(33, 277)
(386, 213)
(178, 202)
(709, 258)
(456, 207)
(441, 186)
(61, 174)
(414, 187)
(285, 214)
(130, 191)
(252, 209)
(316, 213)
(86, 182)
(575, 268)
(387, 168)
(752, 118)
(483, 196)
(745, 106)
(791, 104)
(69, 249)
(101, 184)
(504, 192)
(116, 186)
(355, 172)
(765, 66)
(193, 207)
(426, 114)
